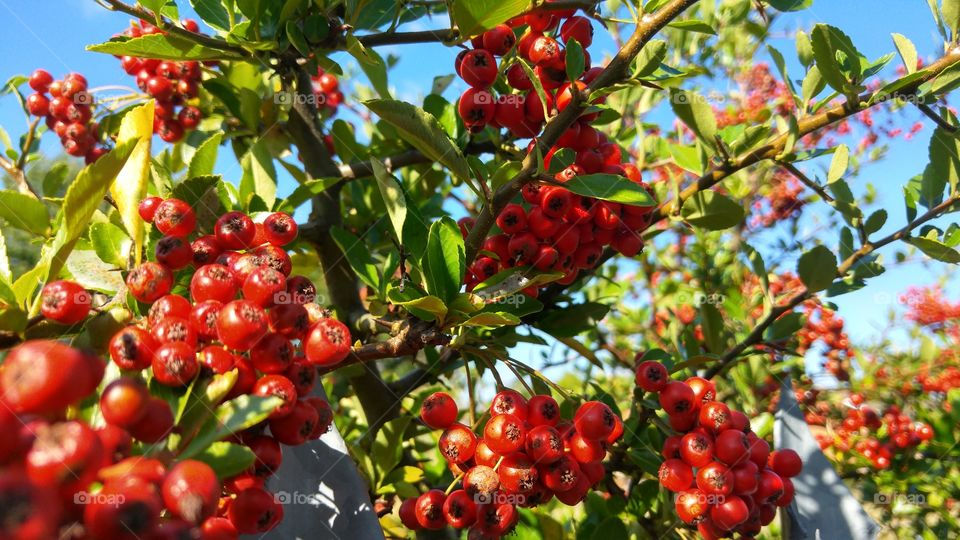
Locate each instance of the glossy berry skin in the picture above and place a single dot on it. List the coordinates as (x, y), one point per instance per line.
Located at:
(38, 105)
(133, 515)
(216, 359)
(715, 479)
(594, 420)
(328, 343)
(40, 80)
(731, 447)
(696, 449)
(295, 428)
(675, 475)
(543, 444)
(578, 28)
(652, 376)
(280, 386)
(241, 324)
(509, 402)
(149, 281)
(504, 434)
(429, 510)
(408, 513)
(279, 228)
(218, 528)
(174, 217)
(156, 423)
(517, 473)
(171, 305)
(479, 68)
(255, 511)
(499, 39)
(785, 462)
(715, 416)
(191, 491)
(203, 317)
(439, 410)
(457, 443)
(265, 286)
(729, 513)
(769, 487)
(175, 364)
(174, 252)
(174, 329)
(561, 475)
(545, 51)
(692, 506)
(476, 107)
(586, 450)
(272, 354)
(65, 453)
(65, 302)
(213, 282)
(459, 510)
(543, 410)
(235, 230)
(148, 208)
(41, 376)
(123, 402)
(132, 348)
(676, 398)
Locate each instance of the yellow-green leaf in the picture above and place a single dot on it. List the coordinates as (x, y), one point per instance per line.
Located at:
(130, 186)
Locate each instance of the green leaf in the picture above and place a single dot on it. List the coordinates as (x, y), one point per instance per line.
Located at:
(387, 447)
(696, 113)
(935, 249)
(213, 13)
(492, 319)
(712, 211)
(259, 174)
(24, 212)
(423, 132)
(235, 415)
(908, 52)
(817, 268)
(227, 459)
(110, 242)
(875, 222)
(297, 39)
(790, 5)
(784, 327)
(694, 25)
(827, 42)
(611, 527)
(839, 164)
(804, 48)
(574, 60)
(651, 56)
(712, 325)
(444, 262)
(573, 320)
(358, 255)
(951, 15)
(372, 65)
(610, 187)
(393, 197)
(307, 191)
(429, 304)
(91, 272)
(944, 167)
(205, 158)
(130, 185)
(758, 265)
(162, 46)
(472, 17)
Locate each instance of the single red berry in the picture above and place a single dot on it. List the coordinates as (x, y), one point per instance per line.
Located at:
(241, 324)
(279, 228)
(715, 416)
(579, 29)
(715, 479)
(132, 348)
(203, 318)
(439, 411)
(543, 410)
(703, 390)
(509, 402)
(174, 252)
(652, 376)
(38, 104)
(696, 449)
(429, 510)
(479, 69)
(65, 454)
(148, 208)
(731, 447)
(517, 473)
(213, 282)
(692, 506)
(160, 88)
(40, 80)
(255, 510)
(746, 477)
(65, 302)
(123, 402)
(504, 434)
(174, 217)
(127, 508)
(43, 376)
(279, 386)
(459, 510)
(594, 420)
(675, 475)
(457, 443)
(170, 131)
(174, 330)
(295, 428)
(175, 364)
(265, 286)
(235, 230)
(545, 51)
(272, 354)
(543, 444)
(499, 40)
(191, 491)
(785, 462)
(729, 513)
(156, 424)
(676, 397)
(216, 359)
(408, 513)
(585, 450)
(769, 488)
(328, 343)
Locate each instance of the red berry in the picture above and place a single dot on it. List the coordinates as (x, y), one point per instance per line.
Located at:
(457, 443)
(715, 416)
(38, 104)
(696, 449)
(156, 424)
(499, 39)
(279, 228)
(235, 230)
(41, 376)
(543, 444)
(578, 28)
(517, 473)
(504, 434)
(769, 488)
(429, 510)
(174, 217)
(173, 252)
(241, 324)
(545, 51)
(67, 454)
(408, 513)
(729, 513)
(160, 88)
(279, 386)
(170, 131)
(543, 410)
(652, 376)
(123, 402)
(594, 420)
(785, 462)
(295, 428)
(459, 510)
(439, 411)
(509, 402)
(675, 475)
(213, 282)
(272, 354)
(265, 286)
(715, 479)
(676, 398)
(216, 359)
(40, 80)
(148, 208)
(191, 491)
(479, 69)
(65, 302)
(512, 219)
(175, 364)
(692, 506)
(328, 343)
(255, 511)
(476, 107)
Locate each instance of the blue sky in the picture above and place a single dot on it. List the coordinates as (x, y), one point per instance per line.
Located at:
(52, 34)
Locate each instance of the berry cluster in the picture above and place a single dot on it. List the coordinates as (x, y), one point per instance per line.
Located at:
(559, 230)
(525, 456)
(171, 84)
(68, 112)
(726, 478)
(326, 90)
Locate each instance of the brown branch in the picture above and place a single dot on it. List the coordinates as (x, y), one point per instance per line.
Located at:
(408, 341)
(167, 26)
(401, 38)
(363, 169)
(615, 72)
(756, 335)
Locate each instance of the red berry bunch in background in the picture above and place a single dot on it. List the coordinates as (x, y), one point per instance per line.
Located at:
(174, 85)
(525, 455)
(326, 90)
(726, 478)
(67, 108)
(550, 228)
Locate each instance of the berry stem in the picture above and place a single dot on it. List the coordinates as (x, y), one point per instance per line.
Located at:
(453, 484)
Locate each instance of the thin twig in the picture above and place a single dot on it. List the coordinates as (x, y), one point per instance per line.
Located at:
(807, 181)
